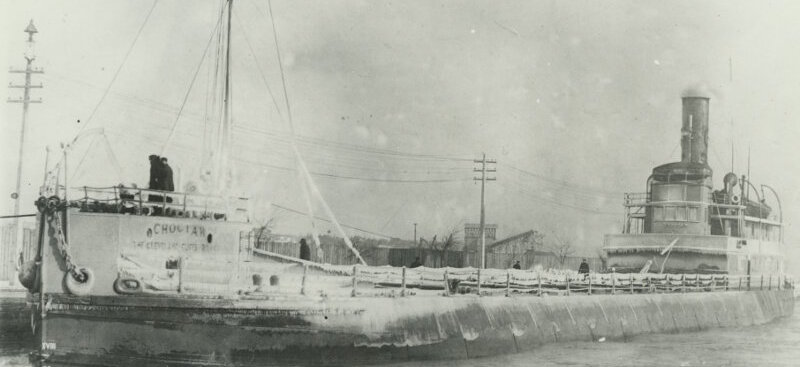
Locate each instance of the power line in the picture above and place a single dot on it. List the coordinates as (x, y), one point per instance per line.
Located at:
(125, 59)
(329, 221)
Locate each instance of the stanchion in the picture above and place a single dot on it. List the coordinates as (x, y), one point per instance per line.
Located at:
(355, 279)
(403, 283)
(590, 285)
(539, 278)
(303, 283)
(613, 281)
(479, 282)
(446, 282)
(630, 279)
(508, 283)
(568, 284)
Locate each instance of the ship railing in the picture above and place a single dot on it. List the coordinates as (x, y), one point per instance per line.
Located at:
(636, 199)
(254, 279)
(137, 201)
(485, 282)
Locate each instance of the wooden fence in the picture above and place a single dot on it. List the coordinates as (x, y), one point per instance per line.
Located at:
(339, 254)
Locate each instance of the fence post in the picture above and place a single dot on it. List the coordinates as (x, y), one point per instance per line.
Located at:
(355, 279)
(613, 281)
(761, 287)
(740, 283)
(446, 283)
(726, 279)
(184, 205)
(539, 278)
(683, 282)
(713, 282)
(769, 286)
(630, 278)
(749, 281)
(479, 281)
(403, 283)
(697, 281)
(508, 283)
(303, 283)
(568, 284)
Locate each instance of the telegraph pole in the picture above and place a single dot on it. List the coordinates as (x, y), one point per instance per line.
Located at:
(25, 100)
(483, 170)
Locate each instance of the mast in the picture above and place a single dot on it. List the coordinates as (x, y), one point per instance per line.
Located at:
(25, 100)
(226, 113)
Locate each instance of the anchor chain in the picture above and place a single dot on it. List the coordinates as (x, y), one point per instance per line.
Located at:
(50, 208)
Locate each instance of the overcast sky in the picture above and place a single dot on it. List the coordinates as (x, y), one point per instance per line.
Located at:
(576, 100)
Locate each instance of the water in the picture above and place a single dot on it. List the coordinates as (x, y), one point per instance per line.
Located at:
(773, 344)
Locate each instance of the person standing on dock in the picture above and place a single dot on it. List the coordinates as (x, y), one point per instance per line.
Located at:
(584, 268)
(305, 251)
(517, 265)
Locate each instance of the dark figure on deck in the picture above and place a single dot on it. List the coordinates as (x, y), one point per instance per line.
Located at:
(166, 176)
(416, 263)
(305, 251)
(156, 174)
(517, 265)
(584, 268)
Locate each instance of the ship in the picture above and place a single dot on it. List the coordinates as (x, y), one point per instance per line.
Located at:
(128, 276)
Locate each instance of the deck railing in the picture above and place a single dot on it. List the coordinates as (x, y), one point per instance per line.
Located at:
(136, 201)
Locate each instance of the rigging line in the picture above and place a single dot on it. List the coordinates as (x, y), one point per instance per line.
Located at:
(114, 78)
(280, 67)
(329, 221)
(559, 182)
(366, 179)
(302, 167)
(191, 85)
(554, 202)
(260, 70)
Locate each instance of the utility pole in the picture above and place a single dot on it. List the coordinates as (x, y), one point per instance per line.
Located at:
(483, 170)
(25, 100)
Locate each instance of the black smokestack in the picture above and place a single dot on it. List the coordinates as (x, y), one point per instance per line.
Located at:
(694, 134)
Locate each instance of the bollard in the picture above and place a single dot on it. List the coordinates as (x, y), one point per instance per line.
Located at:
(568, 284)
(355, 279)
(630, 278)
(303, 282)
(403, 283)
(446, 283)
(539, 278)
(479, 282)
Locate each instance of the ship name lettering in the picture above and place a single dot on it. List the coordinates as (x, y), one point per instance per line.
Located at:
(170, 228)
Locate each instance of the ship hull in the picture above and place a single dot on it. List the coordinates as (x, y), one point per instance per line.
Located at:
(158, 330)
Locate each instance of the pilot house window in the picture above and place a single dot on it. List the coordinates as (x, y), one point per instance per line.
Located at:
(676, 213)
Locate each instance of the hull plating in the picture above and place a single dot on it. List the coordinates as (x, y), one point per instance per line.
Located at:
(169, 331)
